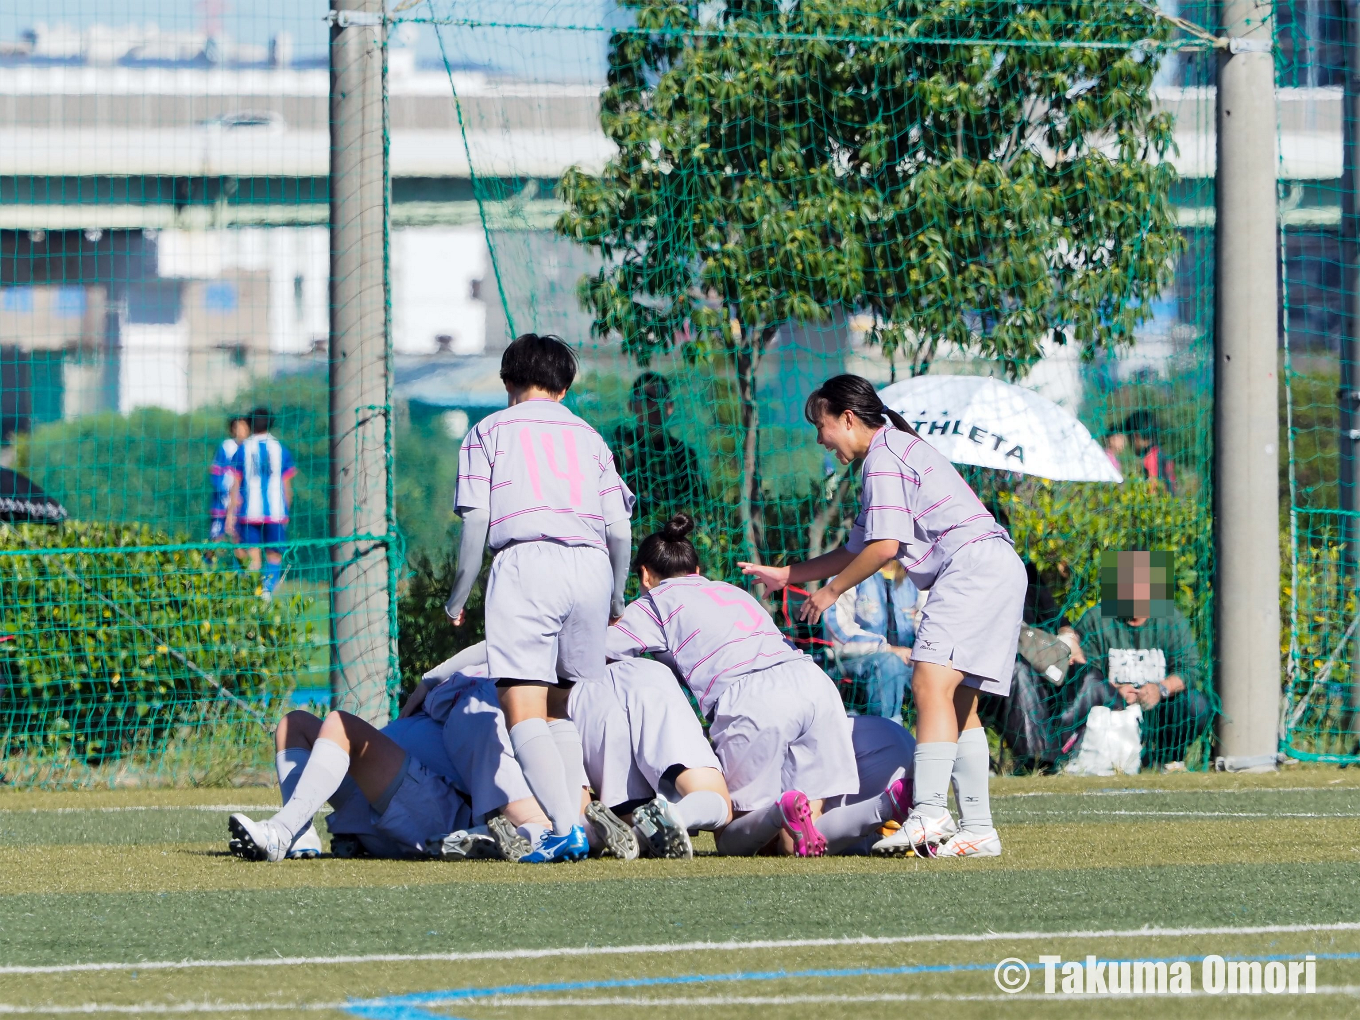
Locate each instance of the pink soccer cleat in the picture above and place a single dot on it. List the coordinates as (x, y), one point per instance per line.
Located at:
(807, 841)
(899, 792)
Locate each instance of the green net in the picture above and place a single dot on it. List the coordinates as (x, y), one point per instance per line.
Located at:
(164, 266)
(721, 205)
(751, 198)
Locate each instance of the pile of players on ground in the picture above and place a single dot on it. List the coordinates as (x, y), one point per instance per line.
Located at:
(497, 753)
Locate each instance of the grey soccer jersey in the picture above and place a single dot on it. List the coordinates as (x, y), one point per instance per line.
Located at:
(912, 493)
(710, 632)
(542, 474)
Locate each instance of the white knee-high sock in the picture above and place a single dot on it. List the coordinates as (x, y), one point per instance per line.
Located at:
(568, 740)
(970, 781)
(289, 764)
(934, 766)
(747, 834)
(325, 771)
(702, 809)
(542, 766)
(843, 825)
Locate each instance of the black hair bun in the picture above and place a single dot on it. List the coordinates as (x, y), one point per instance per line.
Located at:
(677, 528)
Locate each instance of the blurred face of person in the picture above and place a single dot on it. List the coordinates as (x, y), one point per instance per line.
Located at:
(1141, 442)
(651, 412)
(1116, 442)
(240, 431)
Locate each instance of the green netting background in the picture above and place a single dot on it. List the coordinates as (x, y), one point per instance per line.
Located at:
(743, 198)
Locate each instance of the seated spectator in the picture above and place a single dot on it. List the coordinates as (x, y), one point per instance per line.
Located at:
(871, 629)
(1150, 661)
(1037, 722)
(1134, 450)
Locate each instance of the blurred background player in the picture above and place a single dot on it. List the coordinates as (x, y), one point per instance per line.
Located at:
(538, 486)
(871, 628)
(261, 492)
(220, 476)
(777, 722)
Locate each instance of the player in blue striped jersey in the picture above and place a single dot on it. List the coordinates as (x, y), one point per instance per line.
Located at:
(261, 492)
(220, 475)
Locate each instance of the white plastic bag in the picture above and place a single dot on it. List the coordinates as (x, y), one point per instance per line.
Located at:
(1112, 743)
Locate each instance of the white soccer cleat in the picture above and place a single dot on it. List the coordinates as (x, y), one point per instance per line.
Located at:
(971, 844)
(470, 845)
(307, 845)
(618, 838)
(662, 831)
(512, 845)
(257, 841)
(920, 834)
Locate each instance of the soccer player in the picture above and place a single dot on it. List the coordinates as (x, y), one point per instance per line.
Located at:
(538, 486)
(220, 475)
(646, 755)
(395, 791)
(777, 723)
(883, 759)
(261, 492)
(915, 508)
(459, 696)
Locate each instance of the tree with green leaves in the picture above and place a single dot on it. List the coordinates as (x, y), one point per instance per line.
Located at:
(971, 174)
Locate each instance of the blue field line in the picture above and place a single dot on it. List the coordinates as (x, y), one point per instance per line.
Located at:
(409, 1007)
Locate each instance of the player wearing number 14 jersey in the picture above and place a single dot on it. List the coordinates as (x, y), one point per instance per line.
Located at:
(539, 487)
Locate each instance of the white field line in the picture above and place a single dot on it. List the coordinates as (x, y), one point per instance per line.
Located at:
(1145, 791)
(681, 947)
(10, 1009)
(504, 1002)
(1191, 814)
(216, 808)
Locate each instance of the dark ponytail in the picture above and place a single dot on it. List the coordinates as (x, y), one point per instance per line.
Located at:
(669, 552)
(854, 393)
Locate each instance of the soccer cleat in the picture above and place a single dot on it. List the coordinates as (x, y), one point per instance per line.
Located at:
(797, 813)
(257, 841)
(307, 845)
(619, 840)
(663, 832)
(549, 847)
(346, 845)
(971, 844)
(512, 845)
(900, 794)
(920, 834)
(465, 845)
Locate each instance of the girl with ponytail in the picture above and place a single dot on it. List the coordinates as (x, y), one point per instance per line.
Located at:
(777, 723)
(915, 508)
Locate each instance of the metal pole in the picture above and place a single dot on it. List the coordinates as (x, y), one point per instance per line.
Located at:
(361, 638)
(1246, 441)
(1348, 442)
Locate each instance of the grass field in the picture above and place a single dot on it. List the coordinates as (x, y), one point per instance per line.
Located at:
(125, 902)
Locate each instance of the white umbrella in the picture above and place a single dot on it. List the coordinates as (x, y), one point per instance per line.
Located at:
(993, 424)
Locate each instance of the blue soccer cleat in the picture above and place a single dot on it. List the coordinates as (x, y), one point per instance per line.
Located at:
(551, 847)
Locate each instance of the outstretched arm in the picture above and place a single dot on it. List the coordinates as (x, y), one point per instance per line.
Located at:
(865, 564)
(824, 566)
(476, 524)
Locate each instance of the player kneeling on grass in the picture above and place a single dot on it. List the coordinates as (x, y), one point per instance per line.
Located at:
(647, 757)
(395, 794)
(458, 696)
(776, 720)
(538, 486)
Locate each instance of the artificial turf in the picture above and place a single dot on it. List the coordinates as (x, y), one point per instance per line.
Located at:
(127, 876)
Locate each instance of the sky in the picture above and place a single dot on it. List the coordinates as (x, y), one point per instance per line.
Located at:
(556, 55)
